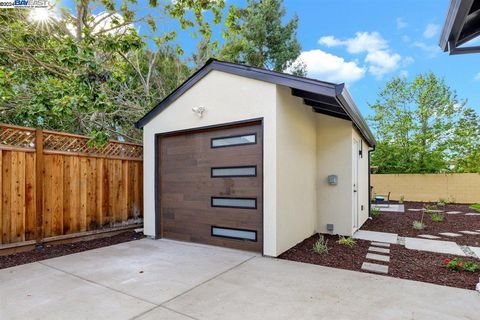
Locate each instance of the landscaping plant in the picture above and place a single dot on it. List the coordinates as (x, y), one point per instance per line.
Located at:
(375, 212)
(456, 264)
(347, 241)
(402, 199)
(437, 217)
(475, 207)
(441, 202)
(321, 245)
(418, 225)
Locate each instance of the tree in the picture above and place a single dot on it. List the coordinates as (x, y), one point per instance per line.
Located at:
(92, 73)
(256, 36)
(422, 127)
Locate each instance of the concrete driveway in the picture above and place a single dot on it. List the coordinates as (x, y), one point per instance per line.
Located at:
(163, 279)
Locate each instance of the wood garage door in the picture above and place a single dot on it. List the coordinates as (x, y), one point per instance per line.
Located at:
(211, 186)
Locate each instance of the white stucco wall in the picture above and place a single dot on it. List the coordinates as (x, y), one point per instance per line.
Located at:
(363, 171)
(334, 157)
(296, 170)
(227, 98)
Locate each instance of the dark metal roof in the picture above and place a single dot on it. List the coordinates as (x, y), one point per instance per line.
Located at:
(461, 25)
(324, 97)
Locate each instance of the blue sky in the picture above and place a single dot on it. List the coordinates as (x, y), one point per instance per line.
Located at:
(366, 43)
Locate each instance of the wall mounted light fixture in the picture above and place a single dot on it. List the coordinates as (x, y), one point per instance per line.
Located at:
(199, 111)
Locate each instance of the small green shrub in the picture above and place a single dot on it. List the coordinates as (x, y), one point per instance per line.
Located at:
(347, 241)
(321, 245)
(418, 225)
(441, 202)
(453, 264)
(456, 264)
(402, 199)
(475, 207)
(437, 217)
(471, 266)
(375, 212)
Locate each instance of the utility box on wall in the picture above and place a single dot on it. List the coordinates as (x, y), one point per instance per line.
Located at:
(332, 179)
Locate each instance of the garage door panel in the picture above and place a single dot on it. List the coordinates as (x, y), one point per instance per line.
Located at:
(187, 187)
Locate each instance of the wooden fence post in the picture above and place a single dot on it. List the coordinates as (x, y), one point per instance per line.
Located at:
(39, 184)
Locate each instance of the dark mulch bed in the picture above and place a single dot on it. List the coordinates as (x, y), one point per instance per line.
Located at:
(339, 256)
(401, 223)
(427, 267)
(404, 263)
(57, 250)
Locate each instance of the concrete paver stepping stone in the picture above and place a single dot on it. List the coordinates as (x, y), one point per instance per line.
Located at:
(453, 212)
(439, 246)
(380, 244)
(373, 267)
(428, 236)
(434, 211)
(450, 234)
(415, 209)
(376, 236)
(476, 250)
(379, 250)
(378, 257)
(472, 233)
(472, 214)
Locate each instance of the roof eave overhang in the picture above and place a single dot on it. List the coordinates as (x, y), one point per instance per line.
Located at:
(455, 22)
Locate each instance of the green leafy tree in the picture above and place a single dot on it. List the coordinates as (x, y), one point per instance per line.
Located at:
(423, 128)
(92, 73)
(257, 36)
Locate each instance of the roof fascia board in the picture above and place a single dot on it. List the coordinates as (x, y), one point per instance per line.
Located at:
(454, 22)
(190, 82)
(322, 88)
(351, 109)
(465, 50)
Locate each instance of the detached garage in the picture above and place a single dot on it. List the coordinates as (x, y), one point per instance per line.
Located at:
(252, 159)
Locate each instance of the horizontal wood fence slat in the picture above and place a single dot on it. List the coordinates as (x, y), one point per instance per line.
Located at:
(455, 187)
(54, 184)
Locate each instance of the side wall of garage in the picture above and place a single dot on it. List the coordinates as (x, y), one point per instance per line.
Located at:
(363, 172)
(334, 157)
(296, 170)
(227, 98)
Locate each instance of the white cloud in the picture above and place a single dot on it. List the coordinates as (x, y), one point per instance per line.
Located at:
(401, 23)
(404, 73)
(431, 30)
(430, 49)
(477, 77)
(363, 41)
(379, 57)
(382, 62)
(328, 67)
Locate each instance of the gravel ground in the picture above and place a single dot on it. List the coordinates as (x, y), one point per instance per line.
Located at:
(52, 251)
(401, 223)
(427, 267)
(338, 256)
(404, 263)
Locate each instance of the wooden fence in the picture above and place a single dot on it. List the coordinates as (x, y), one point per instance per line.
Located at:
(54, 184)
(456, 187)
